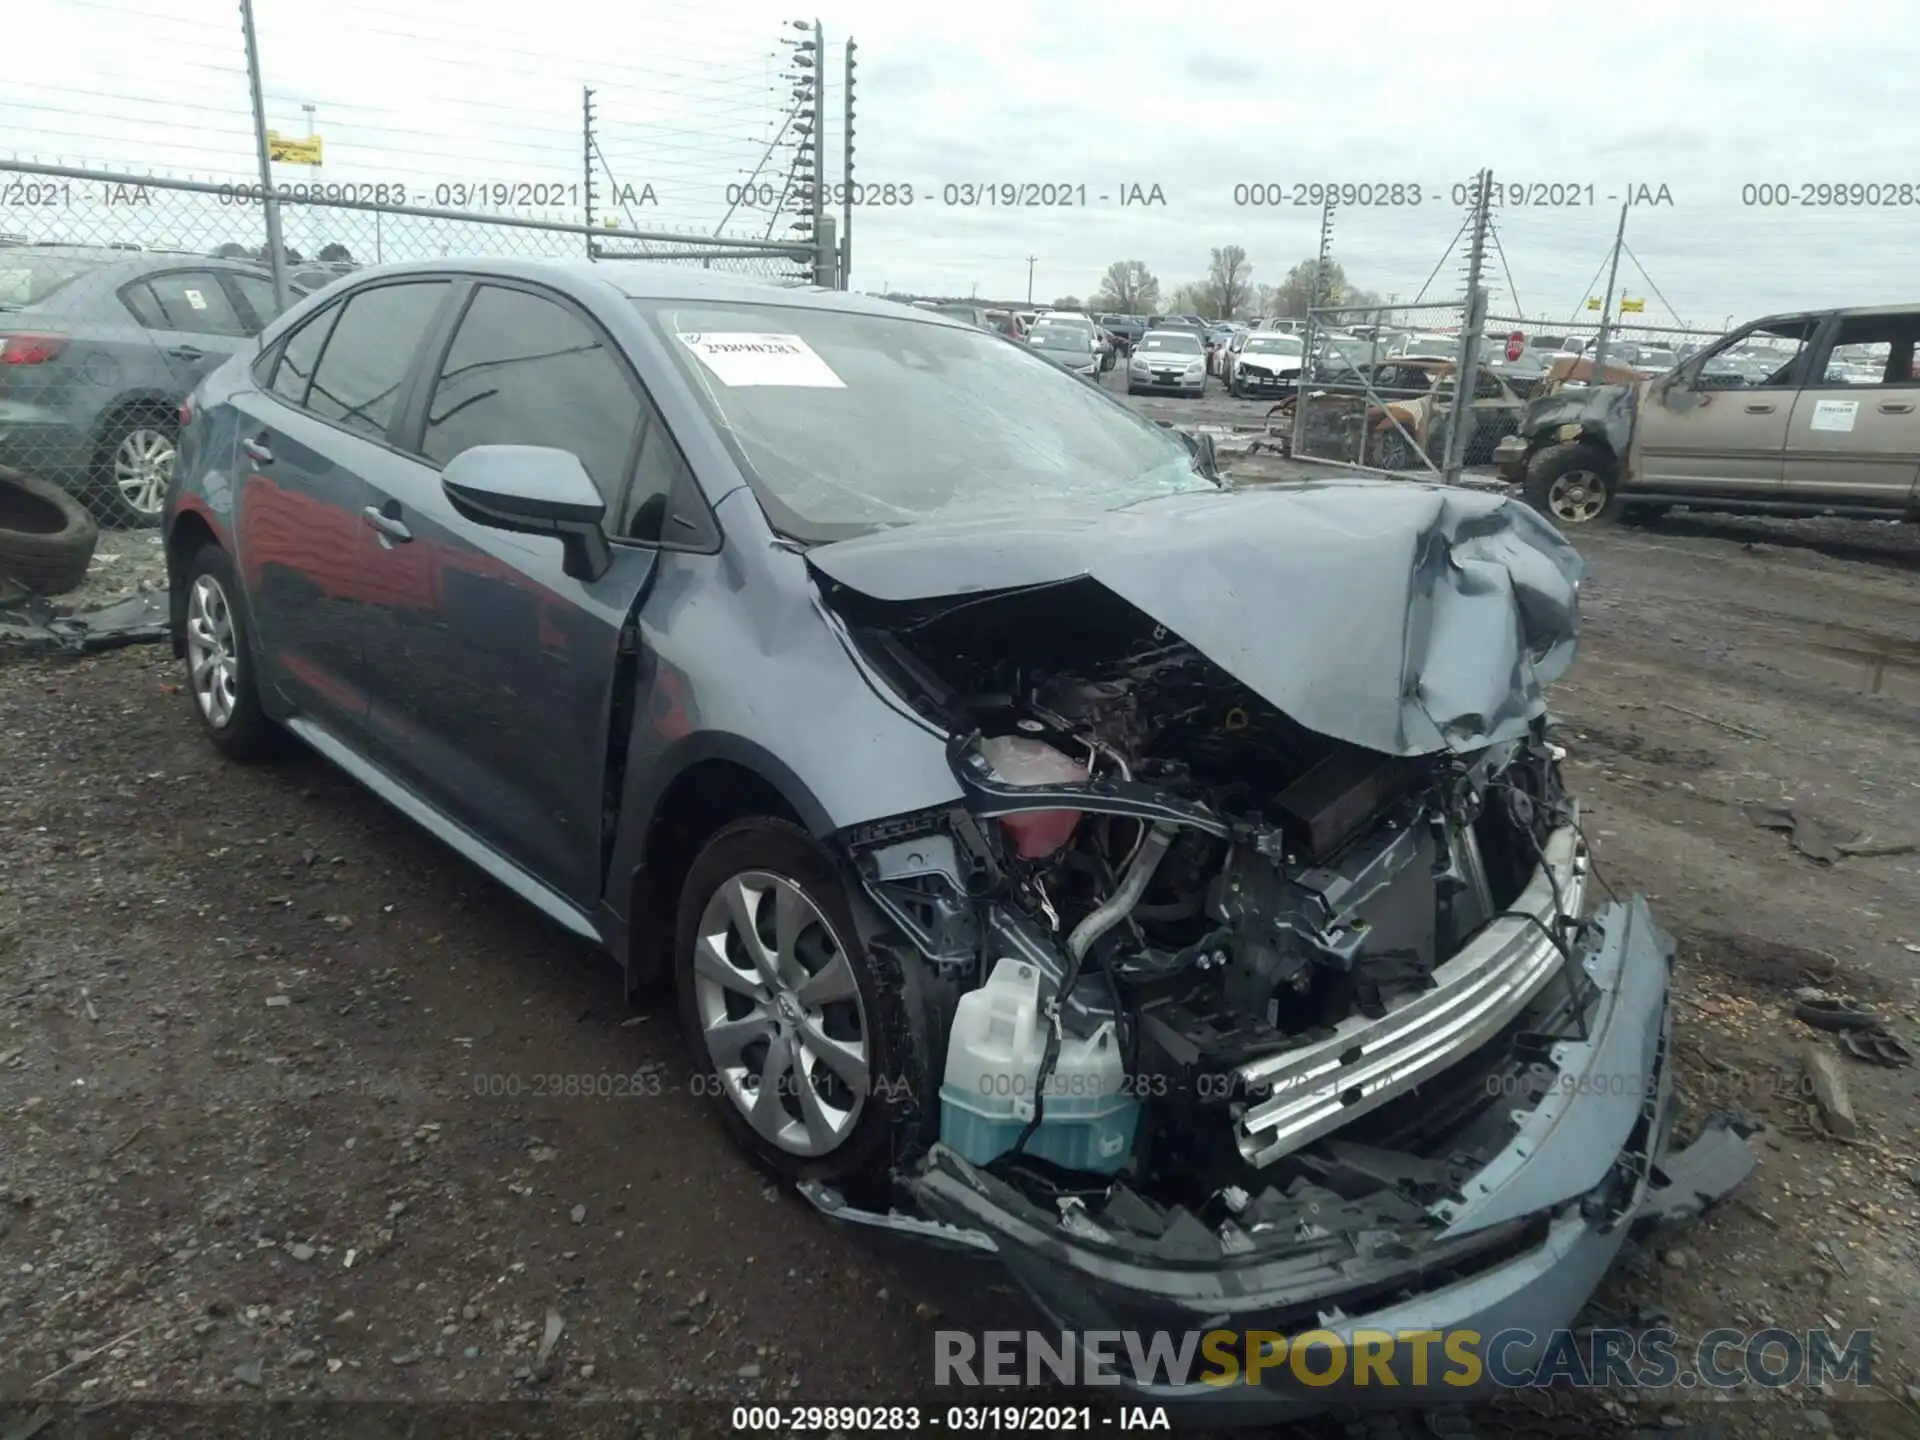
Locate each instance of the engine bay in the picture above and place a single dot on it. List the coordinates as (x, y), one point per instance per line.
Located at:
(1161, 886)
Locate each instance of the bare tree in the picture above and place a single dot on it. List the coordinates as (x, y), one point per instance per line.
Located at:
(1295, 294)
(1195, 297)
(335, 253)
(1068, 302)
(1128, 288)
(1229, 282)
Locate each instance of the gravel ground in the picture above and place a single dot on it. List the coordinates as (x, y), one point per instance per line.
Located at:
(268, 1055)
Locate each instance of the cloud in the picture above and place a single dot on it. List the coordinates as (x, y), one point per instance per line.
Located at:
(1577, 107)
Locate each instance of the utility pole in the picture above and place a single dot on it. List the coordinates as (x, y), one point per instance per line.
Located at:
(1032, 260)
(1606, 305)
(1467, 372)
(586, 160)
(846, 176)
(276, 255)
(313, 211)
(817, 138)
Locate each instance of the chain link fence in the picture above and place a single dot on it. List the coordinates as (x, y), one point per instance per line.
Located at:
(120, 292)
(1373, 392)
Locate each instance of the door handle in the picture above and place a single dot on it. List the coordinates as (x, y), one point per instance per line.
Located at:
(257, 452)
(392, 527)
(1896, 407)
(187, 352)
(1759, 409)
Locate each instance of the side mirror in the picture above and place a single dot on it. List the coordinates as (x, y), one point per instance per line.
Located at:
(533, 490)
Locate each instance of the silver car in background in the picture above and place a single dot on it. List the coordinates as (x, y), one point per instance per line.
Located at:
(1071, 347)
(1168, 360)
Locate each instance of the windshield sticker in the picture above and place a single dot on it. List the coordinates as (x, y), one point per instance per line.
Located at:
(741, 358)
(1834, 414)
(196, 299)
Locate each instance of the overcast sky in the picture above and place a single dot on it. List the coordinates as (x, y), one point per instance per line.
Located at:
(1700, 99)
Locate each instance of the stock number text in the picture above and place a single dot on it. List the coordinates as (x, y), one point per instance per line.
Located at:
(1864, 194)
(350, 191)
(1274, 193)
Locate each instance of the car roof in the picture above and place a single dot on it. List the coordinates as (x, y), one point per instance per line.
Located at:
(640, 280)
(139, 262)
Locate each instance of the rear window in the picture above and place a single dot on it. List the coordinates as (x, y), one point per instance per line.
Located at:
(28, 279)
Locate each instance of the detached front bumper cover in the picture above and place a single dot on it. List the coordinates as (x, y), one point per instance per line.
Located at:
(1522, 1246)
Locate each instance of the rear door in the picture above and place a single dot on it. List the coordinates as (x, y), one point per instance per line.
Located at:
(1855, 432)
(192, 318)
(331, 395)
(1693, 437)
(497, 696)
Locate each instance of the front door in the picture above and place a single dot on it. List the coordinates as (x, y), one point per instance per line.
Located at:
(1693, 434)
(496, 692)
(1855, 433)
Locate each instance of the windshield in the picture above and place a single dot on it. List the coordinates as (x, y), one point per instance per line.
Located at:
(1062, 337)
(1175, 342)
(1273, 345)
(29, 279)
(848, 422)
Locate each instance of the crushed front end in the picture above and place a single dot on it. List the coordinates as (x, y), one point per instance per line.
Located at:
(1248, 1026)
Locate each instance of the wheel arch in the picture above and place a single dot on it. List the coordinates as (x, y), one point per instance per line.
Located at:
(714, 781)
(141, 402)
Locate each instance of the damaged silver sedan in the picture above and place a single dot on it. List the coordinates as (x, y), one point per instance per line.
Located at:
(1166, 890)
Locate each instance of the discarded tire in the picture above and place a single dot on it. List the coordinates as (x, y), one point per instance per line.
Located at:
(46, 536)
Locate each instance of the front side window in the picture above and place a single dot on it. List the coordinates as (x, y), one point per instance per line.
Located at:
(846, 422)
(369, 353)
(525, 370)
(256, 293)
(1766, 356)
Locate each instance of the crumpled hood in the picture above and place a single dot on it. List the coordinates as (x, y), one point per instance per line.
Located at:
(1405, 618)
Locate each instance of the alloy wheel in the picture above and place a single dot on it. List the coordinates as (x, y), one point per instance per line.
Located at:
(1577, 497)
(213, 663)
(142, 467)
(781, 1013)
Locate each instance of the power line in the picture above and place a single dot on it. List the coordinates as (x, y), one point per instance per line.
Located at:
(1650, 284)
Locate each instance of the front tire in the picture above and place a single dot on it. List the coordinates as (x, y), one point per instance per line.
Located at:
(221, 683)
(1574, 483)
(798, 1028)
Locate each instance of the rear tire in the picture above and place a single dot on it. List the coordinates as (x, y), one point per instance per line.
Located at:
(221, 684)
(47, 538)
(806, 1007)
(1574, 483)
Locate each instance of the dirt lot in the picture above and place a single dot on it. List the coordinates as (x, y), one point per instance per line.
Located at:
(268, 1055)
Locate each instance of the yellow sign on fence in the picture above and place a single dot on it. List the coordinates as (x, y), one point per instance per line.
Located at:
(288, 150)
